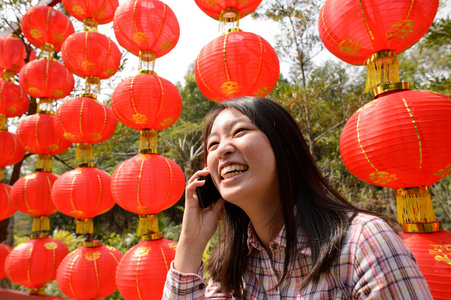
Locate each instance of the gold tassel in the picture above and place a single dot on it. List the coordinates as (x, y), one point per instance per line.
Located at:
(3, 121)
(146, 61)
(44, 163)
(382, 68)
(2, 174)
(84, 226)
(148, 141)
(41, 223)
(8, 74)
(45, 106)
(37, 291)
(229, 16)
(148, 224)
(90, 25)
(46, 51)
(414, 205)
(83, 152)
(92, 85)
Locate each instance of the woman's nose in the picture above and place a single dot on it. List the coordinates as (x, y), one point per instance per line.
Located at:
(225, 148)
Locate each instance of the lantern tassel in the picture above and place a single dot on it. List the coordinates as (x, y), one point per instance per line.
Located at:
(37, 291)
(92, 86)
(46, 51)
(40, 224)
(3, 120)
(83, 152)
(2, 174)
(146, 61)
(44, 163)
(414, 205)
(148, 224)
(8, 74)
(84, 226)
(45, 106)
(148, 141)
(229, 15)
(382, 68)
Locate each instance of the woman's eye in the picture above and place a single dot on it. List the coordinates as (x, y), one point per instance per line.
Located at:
(239, 130)
(211, 146)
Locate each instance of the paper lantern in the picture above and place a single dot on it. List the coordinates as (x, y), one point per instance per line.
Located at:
(46, 27)
(85, 120)
(354, 30)
(91, 54)
(141, 273)
(13, 101)
(34, 263)
(7, 209)
(39, 136)
(146, 184)
(401, 139)
(227, 10)
(11, 149)
(46, 78)
(4, 251)
(236, 64)
(146, 101)
(146, 27)
(83, 193)
(99, 10)
(12, 53)
(89, 272)
(432, 252)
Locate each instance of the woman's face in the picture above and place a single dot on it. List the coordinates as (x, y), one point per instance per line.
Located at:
(241, 161)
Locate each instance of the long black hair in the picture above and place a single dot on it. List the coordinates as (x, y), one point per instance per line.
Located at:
(307, 199)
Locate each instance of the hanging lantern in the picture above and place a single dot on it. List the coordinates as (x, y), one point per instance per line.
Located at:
(227, 10)
(46, 78)
(401, 141)
(12, 52)
(34, 263)
(236, 64)
(4, 251)
(13, 101)
(46, 28)
(11, 149)
(90, 54)
(146, 101)
(7, 209)
(85, 120)
(83, 193)
(373, 32)
(101, 11)
(89, 272)
(141, 273)
(39, 136)
(433, 254)
(147, 28)
(32, 195)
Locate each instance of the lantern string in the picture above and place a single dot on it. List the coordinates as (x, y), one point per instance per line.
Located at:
(44, 163)
(84, 226)
(382, 68)
(84, 153)
(41, 223)
(3, 122)
(414, 205)
(148, 224)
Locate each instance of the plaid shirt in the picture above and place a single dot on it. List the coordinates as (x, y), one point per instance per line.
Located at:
(374, 264)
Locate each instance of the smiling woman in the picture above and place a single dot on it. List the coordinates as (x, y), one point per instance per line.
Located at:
(287, 233)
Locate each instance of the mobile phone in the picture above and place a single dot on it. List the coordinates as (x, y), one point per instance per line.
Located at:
(207, 194)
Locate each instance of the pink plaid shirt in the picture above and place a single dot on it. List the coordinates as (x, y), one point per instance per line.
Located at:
(374, 264)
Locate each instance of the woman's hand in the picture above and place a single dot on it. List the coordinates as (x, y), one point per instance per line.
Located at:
(199, 225)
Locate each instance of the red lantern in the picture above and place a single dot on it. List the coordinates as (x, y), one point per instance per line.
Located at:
(7, 209)
(146, 101)
(11, 149)
(32, 195)
(399, 140)
(13, 101)
(147, 184)
(12, 53)
(89, 272)
(46, 78)
(85, 120)
(39, 136)
(100, 10)
(34, 263)
(91, 54)
(433, 254)
(83, 193)
(236, 64)
(45, 26)
(354, 30)
(142, 271)
(146, 26)
(227, 10)
(4, 251)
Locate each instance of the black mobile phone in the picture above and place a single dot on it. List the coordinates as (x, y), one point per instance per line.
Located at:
(207, 194)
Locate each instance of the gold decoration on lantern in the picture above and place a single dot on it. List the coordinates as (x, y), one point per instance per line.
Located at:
(45, 106)
(2, 174)
(44, 163)
(8, 74)
(37, 291)
(92, 85)
(90, 25)
(146, 61)
(3, 120)
(46, 51)
(231, 16)
(382, 68)
(384, 88)
(41, 223)
(148, 224)
(148, 141)
(83, 152)
(84, 226)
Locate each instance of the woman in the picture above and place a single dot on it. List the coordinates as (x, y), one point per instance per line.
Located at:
(287, 233)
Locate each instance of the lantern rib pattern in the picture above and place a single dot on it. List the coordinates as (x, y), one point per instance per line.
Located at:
(28, 266)
(100, 193)
(24, 191)
(81, 116)
(47, 20)
(360, 144)
(54, 261)
(137, 276)
(365, 20)
(416, 130)
(46, 85)
(170, 183)
(8, 198)
(70, 275)
(114, 257)
(201, 77)
(164, 258)
(36, 130)
(49, 203)
(324, 24)
(117, 198)
(225, 59)
(71, 192)
(261, 59)
(97, 277)
(134, 15)
(105, 117)
(107, 57)
(163, 19)
(162, 97)
(138, 198)
(131, 96)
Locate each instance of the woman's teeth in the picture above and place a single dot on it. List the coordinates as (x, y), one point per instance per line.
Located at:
(233, 170)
